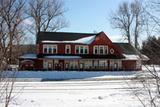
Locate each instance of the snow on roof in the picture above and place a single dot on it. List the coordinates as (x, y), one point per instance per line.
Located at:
(85, 40)
(62, 57)
(131, 57)
(135, 57)
(144, 57)
(29, 56)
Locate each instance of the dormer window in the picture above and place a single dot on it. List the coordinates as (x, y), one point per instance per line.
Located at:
(68, 49)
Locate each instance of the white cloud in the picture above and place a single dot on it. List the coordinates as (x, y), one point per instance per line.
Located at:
(28, 21)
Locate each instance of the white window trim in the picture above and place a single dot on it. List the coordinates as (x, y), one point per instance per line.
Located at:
(48, 46)
(79, 49)
(101, 46)
(112, 51)
(45, 46)
(68, 47)
(86, 47)
(94, 47)
(105, 47)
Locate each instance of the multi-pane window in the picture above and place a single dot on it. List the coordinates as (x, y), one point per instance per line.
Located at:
(54, 47)
(95, 50)
(77, 49)
(50, 49)
(80, 49)
(44, 49)
(100, 49)
(68, 49)
(85, 50)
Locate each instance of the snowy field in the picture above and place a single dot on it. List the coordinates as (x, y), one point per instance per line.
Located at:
(108, 93)
(76, 89)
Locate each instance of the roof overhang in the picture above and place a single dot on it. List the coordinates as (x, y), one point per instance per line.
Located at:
(28, 56)
(135, 57)
(61, 57)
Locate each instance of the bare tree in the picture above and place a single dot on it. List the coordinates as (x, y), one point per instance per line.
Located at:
(122, 19)
(128, 19)
(11, 18)
(139, 20)
(47, 15)
(149, 94)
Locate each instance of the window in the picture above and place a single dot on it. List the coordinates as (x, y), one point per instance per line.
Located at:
(112, 51)
(100, 49)
(44, 49)
(73, 64)
(95, 49)
(85, 50)
(77, 49)
(80, 49)
(87, 64)
(106, 49)
(54, 49)
(50, 49)
(68, 49)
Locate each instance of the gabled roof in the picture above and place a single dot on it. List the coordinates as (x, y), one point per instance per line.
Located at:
(62, 36)
(127, 48)
(84, 40)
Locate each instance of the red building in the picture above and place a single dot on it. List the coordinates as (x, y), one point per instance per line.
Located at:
(81, 51)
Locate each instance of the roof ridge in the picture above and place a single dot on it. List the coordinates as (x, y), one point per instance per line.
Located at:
(68, 32)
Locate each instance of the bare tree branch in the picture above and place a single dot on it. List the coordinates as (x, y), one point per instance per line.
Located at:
(47, 15)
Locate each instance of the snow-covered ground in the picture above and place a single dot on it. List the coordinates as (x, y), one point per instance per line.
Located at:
(76, 89)
(108, 93)
(70, 75)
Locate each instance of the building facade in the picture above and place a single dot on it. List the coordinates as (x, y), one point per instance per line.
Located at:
(81, 52)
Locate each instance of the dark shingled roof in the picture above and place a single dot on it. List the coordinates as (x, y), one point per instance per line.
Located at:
(69, 36)
(62, 36)
(127, 48)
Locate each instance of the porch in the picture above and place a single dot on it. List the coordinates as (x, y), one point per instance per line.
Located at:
(82, 64)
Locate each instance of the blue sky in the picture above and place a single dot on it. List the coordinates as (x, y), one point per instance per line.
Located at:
(91, 15)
